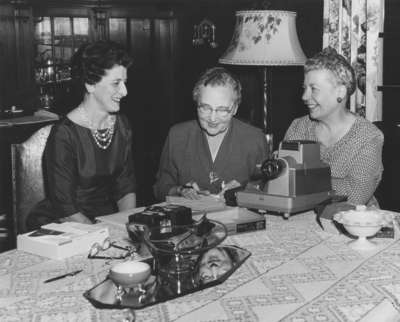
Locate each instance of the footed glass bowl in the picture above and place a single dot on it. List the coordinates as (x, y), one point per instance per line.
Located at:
(128, 276)
(363, 223)
(178, 249)
(130, 273)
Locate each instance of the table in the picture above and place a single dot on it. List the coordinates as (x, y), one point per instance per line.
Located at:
(297, 272)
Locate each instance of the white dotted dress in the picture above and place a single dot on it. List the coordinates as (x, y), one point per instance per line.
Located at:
(355, 160)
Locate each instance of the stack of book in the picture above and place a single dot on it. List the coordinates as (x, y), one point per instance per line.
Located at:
(236, 220)
(60, 241)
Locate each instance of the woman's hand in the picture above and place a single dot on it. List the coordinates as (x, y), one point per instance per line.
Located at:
(78, 217)
(127, 202)
(230, 185)
(191, 190)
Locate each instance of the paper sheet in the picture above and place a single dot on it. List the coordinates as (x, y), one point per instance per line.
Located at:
(205, 203)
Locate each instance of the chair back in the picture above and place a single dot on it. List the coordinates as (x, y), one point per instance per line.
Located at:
(27, 176)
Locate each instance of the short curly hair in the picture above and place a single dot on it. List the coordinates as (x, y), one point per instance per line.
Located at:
(218, 76)
(91, 61)
(341, 69)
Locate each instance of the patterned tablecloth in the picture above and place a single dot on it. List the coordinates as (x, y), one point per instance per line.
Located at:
(296, 273)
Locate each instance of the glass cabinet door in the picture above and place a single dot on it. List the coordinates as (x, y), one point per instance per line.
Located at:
(118, 30)
(56, 38)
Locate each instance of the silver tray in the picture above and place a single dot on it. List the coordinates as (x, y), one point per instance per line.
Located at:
(159, 288)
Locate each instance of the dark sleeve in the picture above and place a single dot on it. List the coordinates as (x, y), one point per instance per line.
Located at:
(261, 152)
(167, 175)
(125, 181)
(61, 171)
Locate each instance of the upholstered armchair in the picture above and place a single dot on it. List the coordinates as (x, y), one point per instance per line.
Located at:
(27, 176)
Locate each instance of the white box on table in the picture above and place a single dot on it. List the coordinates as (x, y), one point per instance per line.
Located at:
(73, 239)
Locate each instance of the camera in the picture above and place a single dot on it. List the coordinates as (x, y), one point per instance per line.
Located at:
(164, 216)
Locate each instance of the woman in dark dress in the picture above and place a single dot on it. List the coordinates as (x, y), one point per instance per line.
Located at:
(88, 160)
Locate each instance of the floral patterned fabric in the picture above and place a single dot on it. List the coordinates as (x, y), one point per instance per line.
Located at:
(352, 28)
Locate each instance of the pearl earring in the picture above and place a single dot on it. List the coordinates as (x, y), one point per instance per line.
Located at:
(339, 99)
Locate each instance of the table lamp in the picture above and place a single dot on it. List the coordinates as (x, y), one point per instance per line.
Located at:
(264, 38)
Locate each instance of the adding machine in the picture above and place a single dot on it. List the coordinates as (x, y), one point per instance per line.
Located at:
(296, 180)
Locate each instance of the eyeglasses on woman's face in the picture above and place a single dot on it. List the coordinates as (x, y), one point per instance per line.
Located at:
(107, 243)
(221, 111)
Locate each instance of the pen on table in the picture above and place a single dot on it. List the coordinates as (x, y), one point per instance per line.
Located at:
(63, 276)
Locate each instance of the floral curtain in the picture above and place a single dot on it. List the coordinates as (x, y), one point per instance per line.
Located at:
(352, 28)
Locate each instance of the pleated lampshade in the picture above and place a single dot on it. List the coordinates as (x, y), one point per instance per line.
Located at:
(264, 38)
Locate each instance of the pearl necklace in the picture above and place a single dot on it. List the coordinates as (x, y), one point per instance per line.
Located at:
(102, 137)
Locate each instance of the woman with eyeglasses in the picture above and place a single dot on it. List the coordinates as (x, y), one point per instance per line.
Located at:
(88, 156)
(214, 153)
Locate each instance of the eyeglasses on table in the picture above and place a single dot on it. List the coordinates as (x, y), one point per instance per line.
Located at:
(107, 244)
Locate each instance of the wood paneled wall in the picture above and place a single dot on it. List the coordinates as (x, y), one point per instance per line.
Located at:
(16, 55)
(7, 54)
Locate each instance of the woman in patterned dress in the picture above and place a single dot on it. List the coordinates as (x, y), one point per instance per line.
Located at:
(350, 144)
